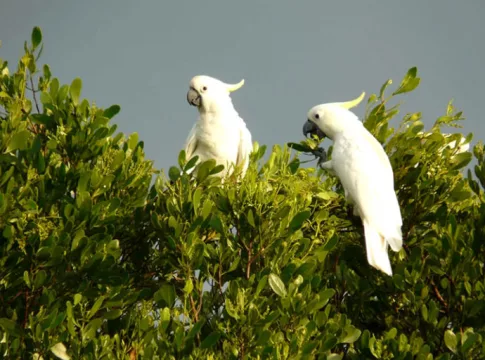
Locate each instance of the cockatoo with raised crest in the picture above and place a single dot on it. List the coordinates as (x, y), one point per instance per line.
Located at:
(365, 172)
(219, 133)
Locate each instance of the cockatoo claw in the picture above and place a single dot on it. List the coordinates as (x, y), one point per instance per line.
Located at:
(321, 154)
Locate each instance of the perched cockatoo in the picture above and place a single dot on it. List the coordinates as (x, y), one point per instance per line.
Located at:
(365, 172)
(219, 133)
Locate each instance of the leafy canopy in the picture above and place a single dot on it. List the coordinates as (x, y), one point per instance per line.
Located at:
(96, 263)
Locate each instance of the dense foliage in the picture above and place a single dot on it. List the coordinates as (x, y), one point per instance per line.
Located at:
(97, 263)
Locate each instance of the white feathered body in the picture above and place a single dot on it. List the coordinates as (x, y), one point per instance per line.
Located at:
(222, 136)
(365, 172)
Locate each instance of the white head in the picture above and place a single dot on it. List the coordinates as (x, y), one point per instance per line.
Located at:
(209, 94)
(326, 120)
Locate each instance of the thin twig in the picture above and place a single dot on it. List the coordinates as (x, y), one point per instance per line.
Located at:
(33, 90)
(220, 276)
(199, 308)
(248, 267)
(16, 296)
(438, 295)
(194, 310)
(257, 255)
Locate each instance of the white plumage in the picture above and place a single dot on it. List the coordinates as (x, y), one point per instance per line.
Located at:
(219, 133)
(365, 172)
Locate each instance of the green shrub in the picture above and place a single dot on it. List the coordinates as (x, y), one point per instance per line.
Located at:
(97, 263)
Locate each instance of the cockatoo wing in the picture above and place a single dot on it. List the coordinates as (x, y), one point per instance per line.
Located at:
(365, 171)
(191, 143)
(245, 148)
(366, 174)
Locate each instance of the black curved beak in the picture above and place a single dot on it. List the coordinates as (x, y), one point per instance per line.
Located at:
(311, 128)
(193, 98)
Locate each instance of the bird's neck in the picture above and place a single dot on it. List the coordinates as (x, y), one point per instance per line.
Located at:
(217, 110)
(347, 126)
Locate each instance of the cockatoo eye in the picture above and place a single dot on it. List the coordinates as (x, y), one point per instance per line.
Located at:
(317, 116)
(204, 88)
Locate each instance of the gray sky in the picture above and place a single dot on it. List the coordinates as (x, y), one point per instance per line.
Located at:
(293, 55)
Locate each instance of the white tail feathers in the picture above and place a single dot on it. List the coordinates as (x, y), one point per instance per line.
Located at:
(395, 240)
(376, 248)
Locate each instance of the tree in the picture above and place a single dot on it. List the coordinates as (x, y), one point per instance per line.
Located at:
(97, 263)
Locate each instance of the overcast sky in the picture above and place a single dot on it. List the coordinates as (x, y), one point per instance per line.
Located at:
(292, 54)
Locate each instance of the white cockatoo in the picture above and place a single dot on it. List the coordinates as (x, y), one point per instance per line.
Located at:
(365, 172)
(219, 133)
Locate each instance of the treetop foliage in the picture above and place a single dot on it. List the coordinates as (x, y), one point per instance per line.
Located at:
(97, 263)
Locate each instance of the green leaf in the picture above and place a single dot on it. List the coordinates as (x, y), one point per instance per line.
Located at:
(166, 293)
(206, 208)
(40, 163)
(326, 294)
(383, 88)
(351, 334)
(277, 285)
(111, 111)
(89, 332)
(173, 173)
(45, 98)
(192, 162)
(47, 71)
(40, 278)
(409, 82)
(204, 169)
(391, 334)
(10, 326)
(294, 165)
(251, 218)
(298, 220)
(113, 314)
(210, 340)
(182, 159)
(36, 37)
(189, 286)
(217, 169)
(230, 309)
(195, 329)
(27, 278)
(133, 141)
(165, 318)
(196, 199)
(60, 351)
(19, 141)
(424, 312)
(450, 340)
(95, 308)
(468, 339)
(75, 90)
(62, 94)
(300, 147)
(329, 343)
(331, 243)
(308, 347)
(460, 160)
(261, 284)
